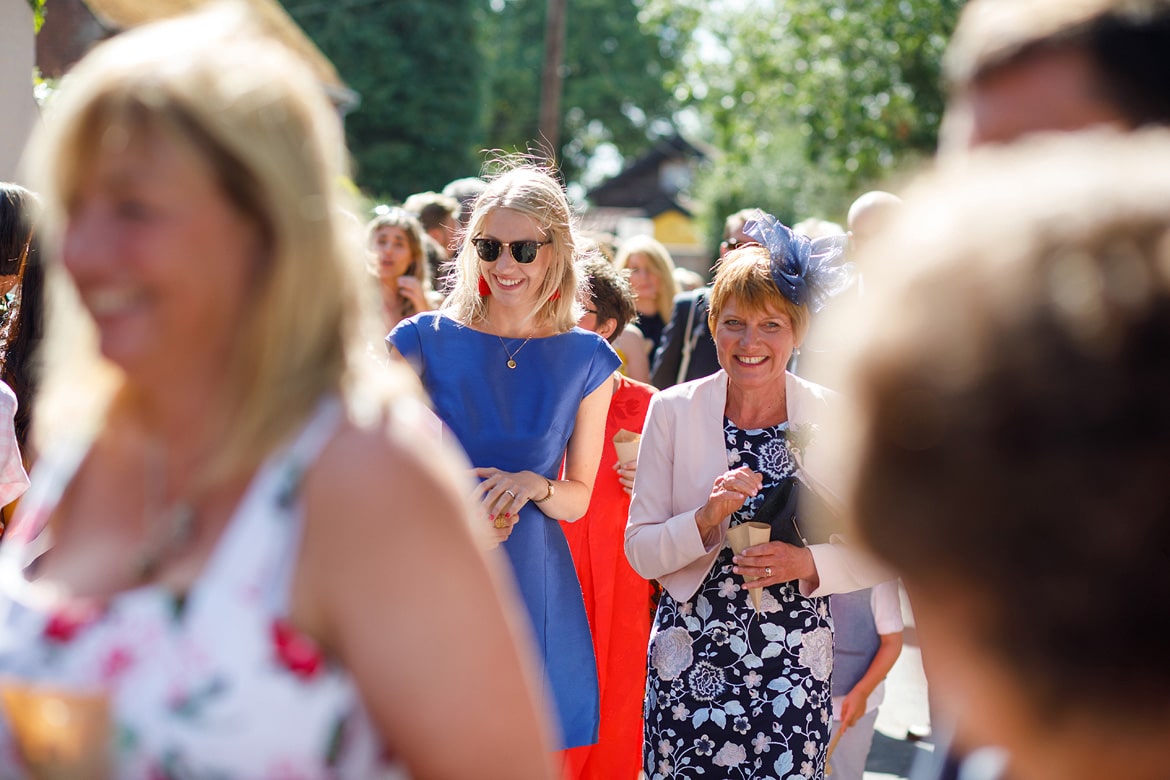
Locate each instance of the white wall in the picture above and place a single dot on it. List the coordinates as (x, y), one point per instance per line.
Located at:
(17, 108)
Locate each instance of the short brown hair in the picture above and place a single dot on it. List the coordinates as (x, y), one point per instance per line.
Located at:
(745, 275)
(609, 292)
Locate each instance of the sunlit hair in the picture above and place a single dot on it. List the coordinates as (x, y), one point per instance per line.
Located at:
(745, 276)
(432, 208)
(609, 294)
(534, 191)
(815, 227)
(735, 222)
(418, 268)
(661, 265)
(252, 111)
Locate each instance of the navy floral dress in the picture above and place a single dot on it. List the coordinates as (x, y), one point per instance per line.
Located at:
(729, 692)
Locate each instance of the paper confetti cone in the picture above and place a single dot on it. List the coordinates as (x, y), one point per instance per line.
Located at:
(61, 733)
(626, 443)
(743, 536)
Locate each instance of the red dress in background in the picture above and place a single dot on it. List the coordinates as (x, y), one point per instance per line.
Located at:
(617, 602)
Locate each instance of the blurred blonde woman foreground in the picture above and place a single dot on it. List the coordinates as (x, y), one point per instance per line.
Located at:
(243, 558)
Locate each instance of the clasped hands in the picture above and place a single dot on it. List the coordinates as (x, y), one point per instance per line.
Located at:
(501, 494)
(765, 564)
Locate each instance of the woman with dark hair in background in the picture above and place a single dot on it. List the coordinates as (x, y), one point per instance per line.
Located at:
(21, 283)
(20, 327)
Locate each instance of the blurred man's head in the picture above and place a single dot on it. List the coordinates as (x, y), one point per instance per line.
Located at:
(1023, 66)
(733, 234)
(439, 215)
(868, 214)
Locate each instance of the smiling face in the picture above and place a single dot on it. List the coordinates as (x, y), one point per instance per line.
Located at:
(514, 284)
(392, 252)
(754, 344)
(644, 281)
(162, 259)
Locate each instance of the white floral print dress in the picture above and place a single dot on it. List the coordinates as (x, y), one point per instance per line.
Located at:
(731, 693)
(213, 685)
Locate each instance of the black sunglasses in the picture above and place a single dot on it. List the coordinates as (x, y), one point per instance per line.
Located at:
(523, 252)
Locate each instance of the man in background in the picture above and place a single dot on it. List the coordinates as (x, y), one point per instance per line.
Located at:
(687, 350)
(1022, 66)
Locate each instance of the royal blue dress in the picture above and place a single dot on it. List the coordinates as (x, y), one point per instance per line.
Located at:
(518, 419)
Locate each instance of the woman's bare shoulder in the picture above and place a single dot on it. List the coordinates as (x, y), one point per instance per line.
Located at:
(376, 472)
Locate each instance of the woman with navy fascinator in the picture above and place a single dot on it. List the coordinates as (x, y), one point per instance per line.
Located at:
(742, 645)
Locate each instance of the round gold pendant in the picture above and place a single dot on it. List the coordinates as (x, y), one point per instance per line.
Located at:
(511, 364)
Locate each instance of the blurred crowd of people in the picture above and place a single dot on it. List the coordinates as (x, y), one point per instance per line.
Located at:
(454, 489)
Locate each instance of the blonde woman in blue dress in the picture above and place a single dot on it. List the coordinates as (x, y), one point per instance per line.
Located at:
(524, 390)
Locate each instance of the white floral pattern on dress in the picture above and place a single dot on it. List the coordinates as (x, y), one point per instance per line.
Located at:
(816, 652)
(671, 652)
(732, 692)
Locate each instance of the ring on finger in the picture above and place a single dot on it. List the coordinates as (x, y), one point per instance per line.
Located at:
(767, 571)
(513, 495)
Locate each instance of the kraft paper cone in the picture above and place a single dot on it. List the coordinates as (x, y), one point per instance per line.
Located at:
(743, 536)
(61, 733)
(626, 443)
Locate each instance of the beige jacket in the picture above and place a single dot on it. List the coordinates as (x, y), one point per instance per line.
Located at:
(683, 451)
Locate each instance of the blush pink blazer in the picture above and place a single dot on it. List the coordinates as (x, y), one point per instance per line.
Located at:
(681, 454)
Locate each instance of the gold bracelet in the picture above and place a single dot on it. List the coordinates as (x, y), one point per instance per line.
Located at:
(547, 496)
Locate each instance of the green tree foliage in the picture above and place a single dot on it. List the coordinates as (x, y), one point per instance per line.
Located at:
(864, 76)
(613, 78)
(38, 9)
(417, 69)
(811, 101)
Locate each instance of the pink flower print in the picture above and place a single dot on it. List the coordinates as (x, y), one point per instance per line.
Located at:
(285, 770)
(730, 755)
(116, 662)
(65, 622)
(296, 651)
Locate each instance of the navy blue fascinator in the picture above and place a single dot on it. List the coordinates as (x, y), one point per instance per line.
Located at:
(807, 272)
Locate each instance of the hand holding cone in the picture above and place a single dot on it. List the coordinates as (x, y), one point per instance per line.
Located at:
(626, 443)
(745, 535)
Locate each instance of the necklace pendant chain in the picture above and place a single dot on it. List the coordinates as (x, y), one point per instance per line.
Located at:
(171, 529)
(176, 530)
(512, 355)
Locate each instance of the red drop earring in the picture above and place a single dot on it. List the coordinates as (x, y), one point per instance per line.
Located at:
(556, 296)
(484, 290)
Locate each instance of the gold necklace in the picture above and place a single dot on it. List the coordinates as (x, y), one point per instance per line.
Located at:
(512, 355)
(172, 528)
